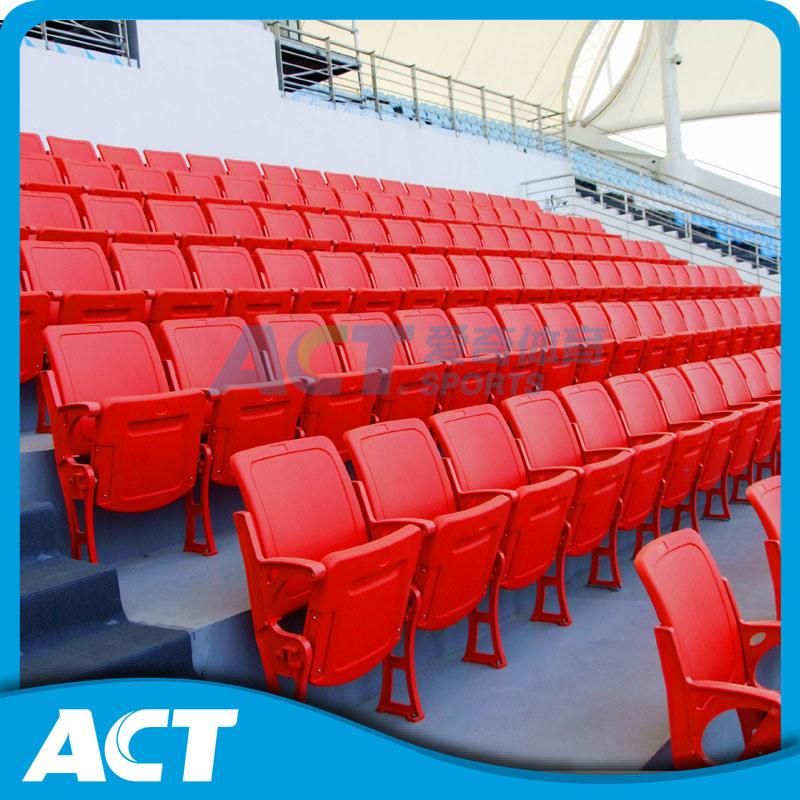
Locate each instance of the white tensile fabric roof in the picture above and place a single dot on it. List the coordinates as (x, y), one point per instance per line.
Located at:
(729, 67)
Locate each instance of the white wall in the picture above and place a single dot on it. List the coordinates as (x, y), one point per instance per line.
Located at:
(211, 87)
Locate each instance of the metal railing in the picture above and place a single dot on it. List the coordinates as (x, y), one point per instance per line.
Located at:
(111, 36)
(323, 67)
(559, 194)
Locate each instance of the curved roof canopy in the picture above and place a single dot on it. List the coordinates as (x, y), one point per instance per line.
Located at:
(602, 73)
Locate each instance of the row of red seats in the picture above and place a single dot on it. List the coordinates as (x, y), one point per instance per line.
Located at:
(264, 382)
(490, 498)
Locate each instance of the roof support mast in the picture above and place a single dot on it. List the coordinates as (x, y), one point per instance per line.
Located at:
(670, 59)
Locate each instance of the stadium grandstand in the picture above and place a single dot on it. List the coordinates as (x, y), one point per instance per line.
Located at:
(353, 351)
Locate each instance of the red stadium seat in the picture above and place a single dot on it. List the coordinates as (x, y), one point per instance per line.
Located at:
(183, 219)
(91, 175)
(294, 270)
(436, 236)
(593, 353)
(305, 544)
(459, 563)
(453, 212)
(368, 184)
(709, 655)
(123, 441)
(538, 288)
(655, 348)
(431, 338)
(161, 273)
(301, 347)
(642, 414)
(145, 180)
(233, 270)
(39, 171)
(165, 160)
(243, 169)
(526, 333)
(310, 177)
(481, 335)
(627, 351)
(434, 272)
(392, 271)
(700, 342)
(54, 216)
(506, 280)
(746, 336)
(347, 271)
(696, 321)
(404, 234)
(632, 280)
(770, 360)
(285, 196)
(370, 341)
(565, 284)
(30, 144)
(589, 286)
(120, 155)
(321, 198)
(79, 281)
(205, 165)
(236, 221)
(471, 271)
(735, 333)
(548, 440)
(385, 205)
(371, 235)
(765, 497)
(482, 456)
(122, 217)
(34, 311)
(417, 190)
(651, 325)
(74, 149)
(332, 234)
(353, 202)
(340, 181)
(245, 409)
(760, 315)
(286, 228)
(197, 185)
(278, 174)
(600, 428)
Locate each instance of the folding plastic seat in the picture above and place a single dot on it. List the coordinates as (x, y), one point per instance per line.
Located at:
(599, 427)
(465, 238)
(563, 280)
(743, 337)
(37, 171)
(367, 183)
(404, 235)
(610, 280)
(414, 207)
(34, 311)
(453, 212)
(306, 545)
(285, 196)
(243, 169)
(668, 282)
(770, 360)
(627, 351)
(460, 196)
(548, 440)
(765, 497)
(244, 408)
(651, 325)
(232, 270)
(332, 231)
(417, 190)
(30, 144)
(471, 271)
(440, 194)
(310, 177)
(743, 381)
(73, 149)
(762, 334)
(487, 215)
(385, 205)
(435, 236)
(278, 174)
(78, 279)
(247, 190)
(286, 228)
(321, 198)
(480, 200)
(205, 165)
(761, 315)
(499, 201)
(434, 272)
(773, 306)
(537, 287)
(197, 186)
(392, 271)
(681, 409)
(371, 235)
(145, 180)
(696, 281)
(531, 220)
(237, 221)
(700, 341)
(685, 286)
(695, 321)
(632, 280)
(120, 155)
(347, 271)
(494, 242)
(582, 247)
(392, 187)
(655, 349)
(642, 414)
(459, 563)
(123, 442)
(482, 456)
(183, 219)
(341, 181)
(709, 655)
(168, 161)
(654, 289)
(507, 217)
(541, 246)
(526, 333)
(301, 347)
(294, 270)
(370, 341)
(712, 398)
(561, 245)
(54, 216)
(430, 338)
(518, 241)
(712, 280)
(481, 335)
(593, 353)
(589, 286)
(96, 176)
(355, 202)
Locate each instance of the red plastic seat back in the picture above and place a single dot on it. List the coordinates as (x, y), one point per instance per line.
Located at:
(434, 234)
(562, 326)
(283, 224)
(733, 382)
(223, 267)
(432, 271)
(90, 174)
(66, 266)
(479, 330)
(535, 274)
(176, 216)
(585, 274)
(370, 340)
(342, 270)
(74, 149)
(212, 353)
(523, 326)
(592, 410)
(629, 273)
(47, 210)
(675, 394)
(766, 499)
(623, 323)
(470, 271)
(114, 213)
(503, 271)
(670, 315)
(275, 173)
(638, 402)
(39, 169)
(31, 144)
(367, 229)
(205, 165)
(607, 273)
(145, 179)
(693, 316)
(339, 180)
(706, 387)
(120, 155)
(234, 220)
(753, 373)
(770, 360)
(429, 334)
(165, 160)
(389, 270)
(320, 197)
(401, 469)
(298, 345)
(238, 168)
(691, 598)
(540, 422)
(711, 313)
(287, 269)
(561, 273)
(328, 227)
(593, 321)
(403, 232)
(647, 318)
(150, 266)
(309, 177)
(187, 183)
